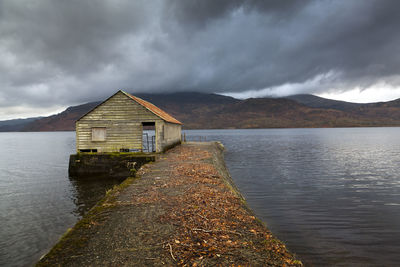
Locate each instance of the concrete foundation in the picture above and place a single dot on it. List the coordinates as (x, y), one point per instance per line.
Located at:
(116, 165)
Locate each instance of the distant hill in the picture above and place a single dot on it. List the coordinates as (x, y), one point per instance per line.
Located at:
(390, 104)
(16, 124)
(64, 121)
(320, 102)
(208, 111)
(195, 110)
(188, 98)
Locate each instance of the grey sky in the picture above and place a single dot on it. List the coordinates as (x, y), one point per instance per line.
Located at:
(59, 53)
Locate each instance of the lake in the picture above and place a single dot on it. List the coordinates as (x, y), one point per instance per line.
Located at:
(38, 202)
(332, 195)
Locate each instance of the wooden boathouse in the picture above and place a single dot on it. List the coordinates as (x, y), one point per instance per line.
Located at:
(116, 125)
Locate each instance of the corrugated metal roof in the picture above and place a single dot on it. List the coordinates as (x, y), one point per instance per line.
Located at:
(156, 110)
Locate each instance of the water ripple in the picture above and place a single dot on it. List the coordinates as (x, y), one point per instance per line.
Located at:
(331, 194)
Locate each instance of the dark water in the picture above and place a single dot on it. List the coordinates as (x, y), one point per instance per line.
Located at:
(38, 202)
(333, 195)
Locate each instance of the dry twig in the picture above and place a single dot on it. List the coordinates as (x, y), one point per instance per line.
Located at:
(216, 231)
(170, 251)
(202, 217)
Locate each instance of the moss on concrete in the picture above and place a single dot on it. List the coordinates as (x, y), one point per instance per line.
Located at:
(76, 237)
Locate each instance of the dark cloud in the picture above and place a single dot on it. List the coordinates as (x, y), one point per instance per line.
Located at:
(200, 13)
(69, 52)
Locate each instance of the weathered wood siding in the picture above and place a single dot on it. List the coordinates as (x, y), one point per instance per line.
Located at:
(122, 117)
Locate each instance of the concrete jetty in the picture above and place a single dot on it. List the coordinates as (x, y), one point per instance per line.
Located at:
(182, 209)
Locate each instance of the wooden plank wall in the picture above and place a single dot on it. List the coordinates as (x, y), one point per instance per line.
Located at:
(123, 119)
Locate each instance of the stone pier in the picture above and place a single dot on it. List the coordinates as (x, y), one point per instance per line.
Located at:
(182, 209)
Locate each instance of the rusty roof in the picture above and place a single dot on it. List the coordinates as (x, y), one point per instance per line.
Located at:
(156, 110)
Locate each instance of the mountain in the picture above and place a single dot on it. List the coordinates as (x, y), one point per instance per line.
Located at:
(209, 111)
(64, 121)
(390, 104)
(320, 102)
(187, 98)
(195, 110)
(16, 124)
(184, 106)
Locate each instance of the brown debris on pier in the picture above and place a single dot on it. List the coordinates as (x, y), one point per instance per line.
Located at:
(183, 210)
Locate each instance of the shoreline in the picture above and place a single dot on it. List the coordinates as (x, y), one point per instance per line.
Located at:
(233, 128)
(182, 209)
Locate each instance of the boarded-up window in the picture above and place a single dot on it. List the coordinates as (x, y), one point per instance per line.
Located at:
(99, 134)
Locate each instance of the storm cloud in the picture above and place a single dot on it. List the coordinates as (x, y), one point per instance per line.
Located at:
(59, 53)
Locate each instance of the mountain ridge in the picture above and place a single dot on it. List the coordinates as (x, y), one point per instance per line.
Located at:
(211, 111)
(320, 102)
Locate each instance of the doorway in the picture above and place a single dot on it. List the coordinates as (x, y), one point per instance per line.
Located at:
(149, 137)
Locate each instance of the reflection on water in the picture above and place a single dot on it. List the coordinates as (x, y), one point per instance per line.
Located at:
(38, 202)
(89, 191)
